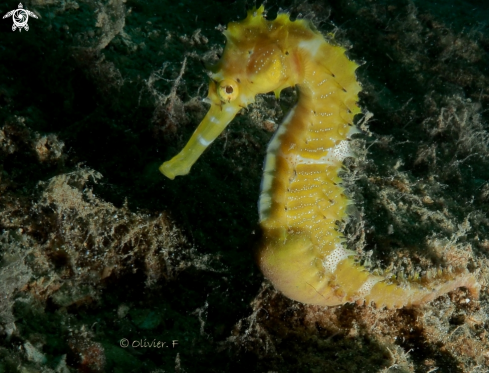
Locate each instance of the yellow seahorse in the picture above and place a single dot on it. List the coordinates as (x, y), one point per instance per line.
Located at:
(302, 252)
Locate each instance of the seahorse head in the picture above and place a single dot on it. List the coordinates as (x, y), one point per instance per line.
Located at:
(256, 60)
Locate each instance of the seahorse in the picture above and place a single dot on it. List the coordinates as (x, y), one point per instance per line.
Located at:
(301, 251)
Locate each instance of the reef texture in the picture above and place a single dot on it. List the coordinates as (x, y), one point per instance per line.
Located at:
(98, 249)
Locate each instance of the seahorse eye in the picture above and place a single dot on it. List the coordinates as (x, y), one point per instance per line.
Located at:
(228, 90)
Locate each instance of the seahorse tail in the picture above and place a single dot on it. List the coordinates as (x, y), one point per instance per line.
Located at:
(330, 276)
(426, 289)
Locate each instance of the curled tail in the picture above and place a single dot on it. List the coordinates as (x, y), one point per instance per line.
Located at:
(329, 276)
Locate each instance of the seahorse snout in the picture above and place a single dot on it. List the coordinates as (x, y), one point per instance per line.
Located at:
(216, 120)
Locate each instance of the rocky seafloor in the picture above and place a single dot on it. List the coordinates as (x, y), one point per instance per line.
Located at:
(99, 250)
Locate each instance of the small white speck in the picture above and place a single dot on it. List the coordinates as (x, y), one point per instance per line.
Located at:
(203, 141)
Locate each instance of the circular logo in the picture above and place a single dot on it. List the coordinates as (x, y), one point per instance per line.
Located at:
(20, 18)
